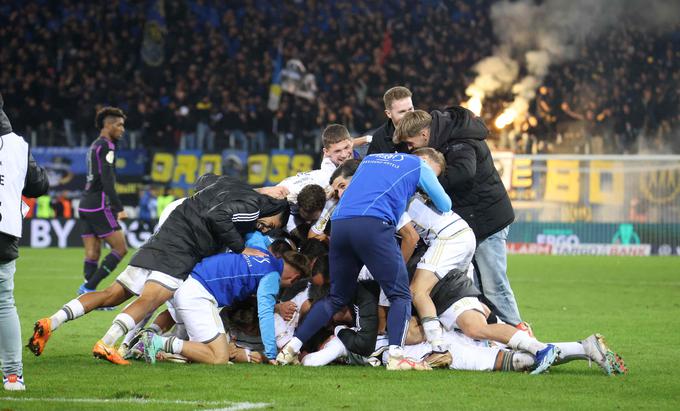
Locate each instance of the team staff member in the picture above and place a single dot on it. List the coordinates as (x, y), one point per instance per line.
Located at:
(19, 174)
(397, 102)
(476, 191)
(100, 208)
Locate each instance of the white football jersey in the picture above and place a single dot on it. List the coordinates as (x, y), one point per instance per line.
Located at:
(429, 223)
(296, 183)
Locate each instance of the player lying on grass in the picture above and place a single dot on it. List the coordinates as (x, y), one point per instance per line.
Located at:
(213, 219)
(219, 281)
(463, 352)
(472, 355)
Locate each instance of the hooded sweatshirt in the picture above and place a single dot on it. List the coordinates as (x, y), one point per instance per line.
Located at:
(470, 178)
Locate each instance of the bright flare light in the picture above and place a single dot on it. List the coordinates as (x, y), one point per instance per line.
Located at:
(507, 117)
(474, 105)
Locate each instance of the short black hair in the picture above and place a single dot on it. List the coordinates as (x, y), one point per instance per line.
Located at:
(299, 261)
(312, 197)
(346, 169)
(321, 267)
(314, 248)
(105, 112)
(280, 246)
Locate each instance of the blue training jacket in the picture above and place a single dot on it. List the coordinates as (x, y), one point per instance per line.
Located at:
(383, 184)
(233, 277)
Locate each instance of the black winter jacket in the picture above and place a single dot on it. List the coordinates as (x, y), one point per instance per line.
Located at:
(470, 178)
(206, 223)
(382, 140)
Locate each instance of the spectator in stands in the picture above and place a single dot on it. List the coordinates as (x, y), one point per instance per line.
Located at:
(227, 50)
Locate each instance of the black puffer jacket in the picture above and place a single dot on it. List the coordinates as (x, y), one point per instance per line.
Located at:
(382, 140)
(35, 185)
(470, 178)
(214, 218)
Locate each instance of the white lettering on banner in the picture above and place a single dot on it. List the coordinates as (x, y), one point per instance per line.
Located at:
(40, 233)
(603, 249)
(62, 233)
(529, 248)
(557, 239)
(134, 240)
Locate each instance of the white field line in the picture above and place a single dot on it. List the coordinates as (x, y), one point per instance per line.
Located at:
(231, 406)
(242, 406)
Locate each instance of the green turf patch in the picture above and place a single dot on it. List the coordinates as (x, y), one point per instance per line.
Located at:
(633, 301)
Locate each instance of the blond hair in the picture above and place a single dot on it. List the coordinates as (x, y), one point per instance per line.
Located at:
(394, 94)
(411, 124)
(432, 154)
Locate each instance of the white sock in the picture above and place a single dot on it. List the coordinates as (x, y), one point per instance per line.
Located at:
(396, 351)
(522, 361)
(131, 334)
(70, 311)
(521, 340)
(333, 350)
(571, 351)
(121, 325)
(172, 345)
(295, 344)
(433, 331)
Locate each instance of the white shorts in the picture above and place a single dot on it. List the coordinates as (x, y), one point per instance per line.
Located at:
(448, 318)
(446, 253)
(167, 281)
(199, 312)
(133, 279)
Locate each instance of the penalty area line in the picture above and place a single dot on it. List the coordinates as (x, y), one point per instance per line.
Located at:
(228, 405)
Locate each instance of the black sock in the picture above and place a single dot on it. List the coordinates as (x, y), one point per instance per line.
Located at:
(89, 267)
(109, 264)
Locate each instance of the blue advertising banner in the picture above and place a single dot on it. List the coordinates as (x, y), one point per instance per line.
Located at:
(131, 162)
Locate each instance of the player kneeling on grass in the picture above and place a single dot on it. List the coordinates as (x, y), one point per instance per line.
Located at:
(219, 281)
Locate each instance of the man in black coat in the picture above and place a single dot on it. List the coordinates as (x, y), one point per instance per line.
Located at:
(476, 191)
(397, 103)
(19, 175)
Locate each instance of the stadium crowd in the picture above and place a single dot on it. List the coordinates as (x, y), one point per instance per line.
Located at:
(212, 88)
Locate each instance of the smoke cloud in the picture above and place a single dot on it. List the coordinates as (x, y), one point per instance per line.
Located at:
(532, 37)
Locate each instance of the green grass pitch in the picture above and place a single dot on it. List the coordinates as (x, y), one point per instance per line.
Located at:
(633, 301)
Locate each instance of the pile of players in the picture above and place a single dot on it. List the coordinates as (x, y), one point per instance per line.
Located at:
(326, 266)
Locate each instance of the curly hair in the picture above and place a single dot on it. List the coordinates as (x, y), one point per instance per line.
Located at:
(105, 112)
